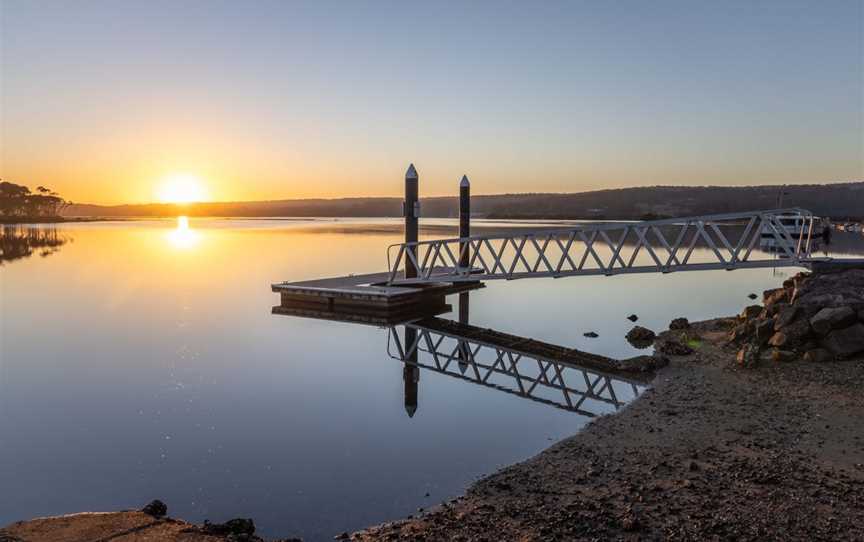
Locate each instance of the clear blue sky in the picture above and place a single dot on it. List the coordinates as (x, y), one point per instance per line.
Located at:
(286, 99)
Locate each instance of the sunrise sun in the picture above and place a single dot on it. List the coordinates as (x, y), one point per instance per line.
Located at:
(182, 188)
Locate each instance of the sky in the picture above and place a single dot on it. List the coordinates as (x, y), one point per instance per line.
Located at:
(105, 100)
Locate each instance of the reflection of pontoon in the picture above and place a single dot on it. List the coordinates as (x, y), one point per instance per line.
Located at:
(545, 373)
(788, 231)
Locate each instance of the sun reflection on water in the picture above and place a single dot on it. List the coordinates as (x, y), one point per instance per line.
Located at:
(183, 237)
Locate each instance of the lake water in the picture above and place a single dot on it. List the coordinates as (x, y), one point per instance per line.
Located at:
(141, 360)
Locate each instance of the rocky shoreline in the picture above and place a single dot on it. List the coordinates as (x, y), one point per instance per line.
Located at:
(747, 434)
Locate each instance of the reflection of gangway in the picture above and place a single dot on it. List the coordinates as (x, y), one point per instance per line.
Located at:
(611, 248)
(550, 374)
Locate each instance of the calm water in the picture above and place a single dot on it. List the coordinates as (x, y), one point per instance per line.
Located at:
(140, 360)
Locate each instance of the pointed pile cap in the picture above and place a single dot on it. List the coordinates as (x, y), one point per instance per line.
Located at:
(465, 182)
(411, 173)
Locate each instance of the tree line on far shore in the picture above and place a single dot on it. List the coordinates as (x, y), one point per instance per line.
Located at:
(18, 201)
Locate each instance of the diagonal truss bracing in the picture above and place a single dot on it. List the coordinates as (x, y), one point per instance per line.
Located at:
(728, 241)
(562, 384)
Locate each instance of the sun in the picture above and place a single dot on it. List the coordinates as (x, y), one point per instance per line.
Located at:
(182, 188)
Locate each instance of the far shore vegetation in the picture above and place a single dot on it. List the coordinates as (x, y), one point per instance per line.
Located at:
(19, 204)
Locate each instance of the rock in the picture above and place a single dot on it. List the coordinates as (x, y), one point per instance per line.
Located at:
(341, 536)
(778, 339)
(827, 319)
(590, 335)
(674, 348)
(750, 312)
(640, 336)
(795, 334)
(632, 317)
(156, 508)
(783, 355)
(818, 355)
(845, 342)
(785, 316)
(237, 526)
(764, 330)
(771, 297)
(752, 296)
(748, 356)
(741, 332)
(773, 309)
(679, 323)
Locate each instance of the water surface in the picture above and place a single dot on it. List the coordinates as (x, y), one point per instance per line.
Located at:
(140, 360)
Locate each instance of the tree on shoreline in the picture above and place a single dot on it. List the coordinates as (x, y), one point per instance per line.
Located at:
(18, 201)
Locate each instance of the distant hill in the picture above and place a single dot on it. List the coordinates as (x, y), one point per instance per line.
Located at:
(841, 200)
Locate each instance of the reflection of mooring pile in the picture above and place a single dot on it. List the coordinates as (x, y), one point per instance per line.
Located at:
(547, 373)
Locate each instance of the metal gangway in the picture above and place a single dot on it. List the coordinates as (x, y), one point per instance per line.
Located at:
(567, 379)
(772, 238)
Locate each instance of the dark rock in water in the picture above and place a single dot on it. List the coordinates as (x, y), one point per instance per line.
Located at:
(632, 317)
(238, 526)
(785, 316)
(156, 508)
(783, 355)
(679, 323)
(748, 356)
(752, 296)
(591, 335)
(674, 348)
(845, 342)
(640, 335)
(750, 312)
(828, 319)
(818, 355)
(341, 536)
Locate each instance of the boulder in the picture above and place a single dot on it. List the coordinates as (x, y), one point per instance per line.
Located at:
(748, 356)
(770, 297)
(632, 317)
(818, 355)
(845, 342)
(827, 319)
(774, 308)
(155, 508)
(795, 334)
(750, 312)
(591, 335)
(752, 296)
(764, 330)
(741, 332)
(785, 316)
(640, 335)
(783, 355)
(778, 339)
(679, 323)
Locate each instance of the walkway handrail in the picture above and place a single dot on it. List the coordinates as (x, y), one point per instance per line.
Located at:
(507, 255)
